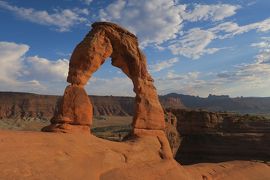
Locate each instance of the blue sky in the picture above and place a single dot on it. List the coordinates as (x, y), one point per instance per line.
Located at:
(192, 47)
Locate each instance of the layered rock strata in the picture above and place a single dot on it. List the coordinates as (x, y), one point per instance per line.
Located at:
(217, 137)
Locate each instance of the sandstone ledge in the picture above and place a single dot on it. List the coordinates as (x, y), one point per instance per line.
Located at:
(37, 155)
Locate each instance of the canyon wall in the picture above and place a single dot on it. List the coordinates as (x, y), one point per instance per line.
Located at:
(217, 137)
(243, 105)
(25, 105)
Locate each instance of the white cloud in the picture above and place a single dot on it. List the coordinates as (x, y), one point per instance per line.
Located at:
(188, 83)
(193, 43)
(153, 21)
(264, 51)
(156, 22)
(249, 77)
(63, 19)
(246, 79)
(30, 74)
(44, 69)
(163, 65)
(82, 11)
(11, 55)
(210, 12)
(13, 68)
(230, 29)
(242, 80)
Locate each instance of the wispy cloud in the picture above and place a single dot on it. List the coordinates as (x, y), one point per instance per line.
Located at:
(241, 79)
(163, 65)
(215, 12)
(193, 44)
(231, 29)
(263, 56)
(62, 20)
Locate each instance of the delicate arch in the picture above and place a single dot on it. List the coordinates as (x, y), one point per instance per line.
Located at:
(103, 41)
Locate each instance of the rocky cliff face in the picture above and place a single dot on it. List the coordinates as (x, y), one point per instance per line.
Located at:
(216, 137)
(172, 132)
(251, 105)
(25, 105)
(112, 105)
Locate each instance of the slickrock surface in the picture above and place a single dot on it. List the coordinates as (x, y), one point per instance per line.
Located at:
(232, 170)
(110, 40)
(39, 155)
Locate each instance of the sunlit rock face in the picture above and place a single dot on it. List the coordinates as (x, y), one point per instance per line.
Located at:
(103, 41)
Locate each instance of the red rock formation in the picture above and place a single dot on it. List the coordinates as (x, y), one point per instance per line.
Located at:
(103, 41)
(26, 105)
(171, 132)
(74, 109)
(83, 156)
(218, 137)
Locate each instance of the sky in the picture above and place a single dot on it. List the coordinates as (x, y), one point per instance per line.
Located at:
(192, 47)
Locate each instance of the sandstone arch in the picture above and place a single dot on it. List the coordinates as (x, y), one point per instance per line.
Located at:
(103, 41)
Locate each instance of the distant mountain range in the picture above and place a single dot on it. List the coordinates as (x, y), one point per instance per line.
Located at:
(24, 105)
(243, 105)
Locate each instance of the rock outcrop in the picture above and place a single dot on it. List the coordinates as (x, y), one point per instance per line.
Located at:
(37, 155)
(172, 132)
(103, 41)
(74, 112)
(84, 156)
(218, 137)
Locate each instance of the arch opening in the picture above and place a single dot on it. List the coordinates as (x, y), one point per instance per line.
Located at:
(103, 41)
(112, 98)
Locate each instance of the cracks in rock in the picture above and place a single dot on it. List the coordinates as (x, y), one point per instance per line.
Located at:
(161, 151)
(121, 154)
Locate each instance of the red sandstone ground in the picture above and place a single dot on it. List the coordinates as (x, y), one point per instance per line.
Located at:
(40, 155)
